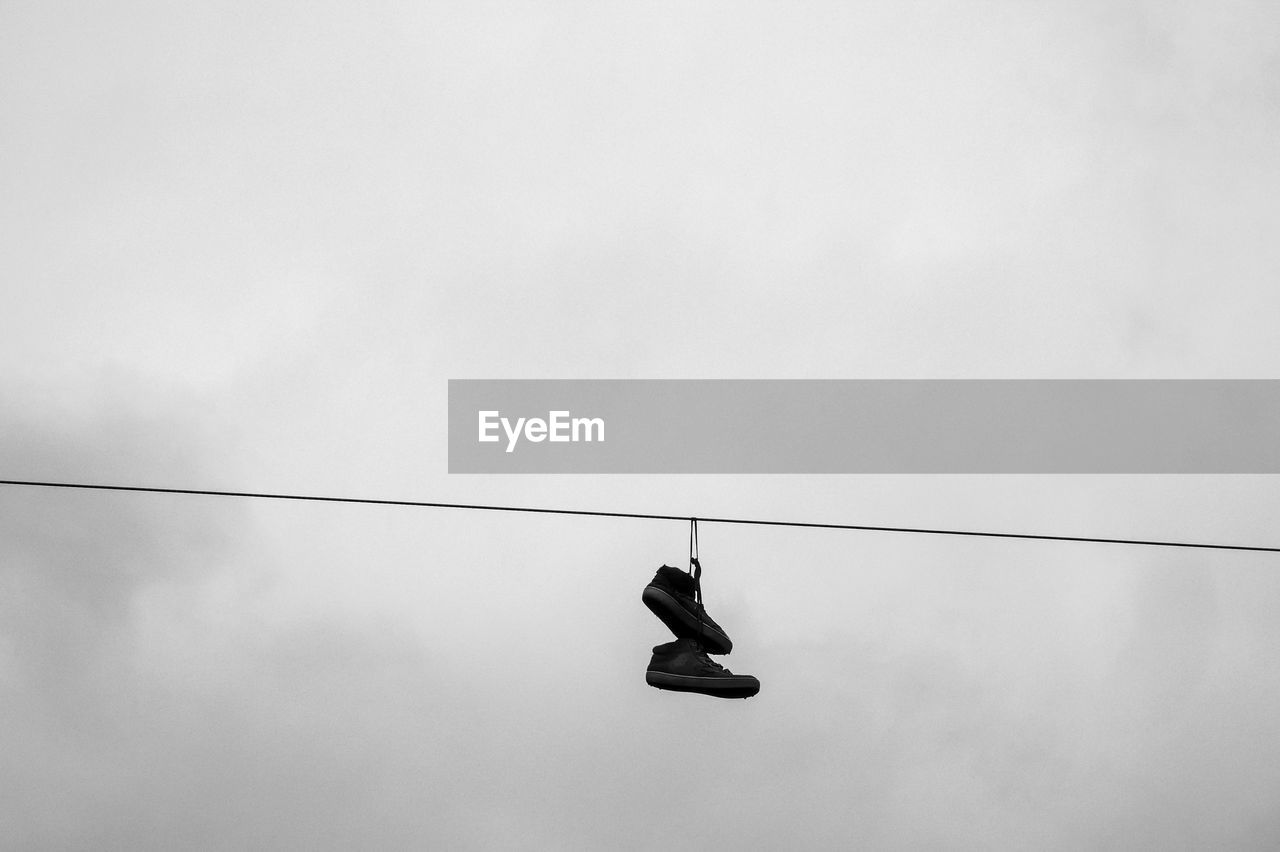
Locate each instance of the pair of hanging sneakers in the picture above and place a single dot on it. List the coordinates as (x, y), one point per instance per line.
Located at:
(683, 665)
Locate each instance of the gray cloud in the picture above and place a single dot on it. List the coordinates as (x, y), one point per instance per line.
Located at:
(246, 248)
(226, 687)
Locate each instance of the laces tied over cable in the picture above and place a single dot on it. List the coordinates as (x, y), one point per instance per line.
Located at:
(695, 571)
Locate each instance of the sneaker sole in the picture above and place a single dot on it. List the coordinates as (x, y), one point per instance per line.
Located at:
(736, 686)
(683, 623)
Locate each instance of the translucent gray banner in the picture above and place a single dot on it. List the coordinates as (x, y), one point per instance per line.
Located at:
(864, 426)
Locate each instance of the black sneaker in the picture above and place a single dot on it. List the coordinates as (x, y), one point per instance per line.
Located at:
(683, 666)
(673, 597)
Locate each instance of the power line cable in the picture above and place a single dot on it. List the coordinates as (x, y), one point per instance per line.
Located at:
(640, 515)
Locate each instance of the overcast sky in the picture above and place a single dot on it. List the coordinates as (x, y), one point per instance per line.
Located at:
(245, 245)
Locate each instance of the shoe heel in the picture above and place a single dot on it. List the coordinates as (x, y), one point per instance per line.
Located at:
(665, 607)
(681, 623)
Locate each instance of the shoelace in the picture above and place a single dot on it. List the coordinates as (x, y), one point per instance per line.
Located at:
(695, 569)
(708, 663)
